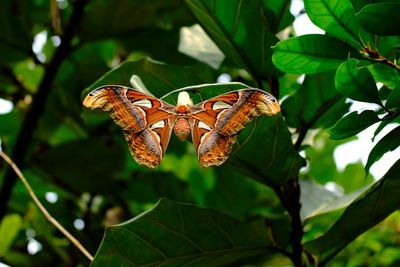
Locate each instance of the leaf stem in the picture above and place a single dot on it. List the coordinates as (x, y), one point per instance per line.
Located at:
(50, 218)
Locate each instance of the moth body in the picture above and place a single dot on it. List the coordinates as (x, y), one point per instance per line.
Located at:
(182, 126)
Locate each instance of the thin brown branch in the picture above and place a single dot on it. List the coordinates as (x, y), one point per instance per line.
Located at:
(50, 218)
(374, 55)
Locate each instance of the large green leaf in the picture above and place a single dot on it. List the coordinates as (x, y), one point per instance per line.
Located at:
(366, 211)
(352, 124)
(177, 234)
(240, 30)
(337, 19)
(381, 18)
(265, 152)
(356, 82)
(389, 142)
(309, 106)
(240, 197)
(310, 53)
(159, 78)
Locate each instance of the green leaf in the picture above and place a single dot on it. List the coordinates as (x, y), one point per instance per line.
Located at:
(315, 104)
(358, 179)
(358, 4)
(371, 207)
(159, 78)
(9, 229)
(195, 43)
(278, 14)
(393, 100)
(317, 200)
(310, 54)
(389, 142)
(352, 124)
(240, 30)
(383, 124)
(10, 127)
(385, 74)
(149, 187)
(356, 82)
(234, 194)
(177, 234)
(336, 19)
(380, 18)
(322, 165)
(265, 152)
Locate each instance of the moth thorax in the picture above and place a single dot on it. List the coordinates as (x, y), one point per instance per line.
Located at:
(182, 128)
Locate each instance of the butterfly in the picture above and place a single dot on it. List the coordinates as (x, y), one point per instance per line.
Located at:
(214, 124)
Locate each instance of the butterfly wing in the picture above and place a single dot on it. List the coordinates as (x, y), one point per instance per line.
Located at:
(217, 121)
(145, 120)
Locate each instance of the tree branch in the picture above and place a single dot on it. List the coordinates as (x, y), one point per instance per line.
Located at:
(289, 194)
(34, 114)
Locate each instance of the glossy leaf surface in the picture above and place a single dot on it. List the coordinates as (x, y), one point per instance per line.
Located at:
(356, 82)
(337, 19)
(352, 124)
(380, 18)
(177, 234)
(310, 54)
(388, 143)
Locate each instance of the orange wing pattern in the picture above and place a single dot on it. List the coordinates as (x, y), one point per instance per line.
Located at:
(217, 121)
(145, 120)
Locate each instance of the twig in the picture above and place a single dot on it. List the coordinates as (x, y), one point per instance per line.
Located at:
(50, 218)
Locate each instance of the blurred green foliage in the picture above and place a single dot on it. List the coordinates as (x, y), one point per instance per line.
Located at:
(271, 203)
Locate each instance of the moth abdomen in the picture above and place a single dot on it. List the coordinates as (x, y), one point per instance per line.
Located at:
(182, 128)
